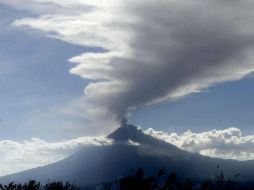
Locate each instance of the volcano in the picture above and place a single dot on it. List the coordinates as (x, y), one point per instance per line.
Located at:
(132, 149)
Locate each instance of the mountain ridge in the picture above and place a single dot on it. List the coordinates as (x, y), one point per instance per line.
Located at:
(95, 164)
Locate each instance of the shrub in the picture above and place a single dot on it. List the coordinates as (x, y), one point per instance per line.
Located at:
(34, 185)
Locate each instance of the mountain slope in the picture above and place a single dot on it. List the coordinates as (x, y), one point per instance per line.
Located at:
(132, 149)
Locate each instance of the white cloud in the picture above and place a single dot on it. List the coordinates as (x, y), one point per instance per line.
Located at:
(46, 7)
(19, 156)
(228, 143)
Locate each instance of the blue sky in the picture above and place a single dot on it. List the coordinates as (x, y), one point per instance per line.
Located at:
(35, 78)
(225, 105)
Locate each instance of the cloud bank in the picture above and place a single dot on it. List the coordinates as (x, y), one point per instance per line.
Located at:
(19, 156)
(151, 51)
(228, 143)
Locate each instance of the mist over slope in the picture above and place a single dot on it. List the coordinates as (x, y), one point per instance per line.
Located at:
(132, 149)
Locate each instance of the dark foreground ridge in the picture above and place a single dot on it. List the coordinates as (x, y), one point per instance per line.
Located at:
(139, 181)
(95, 164)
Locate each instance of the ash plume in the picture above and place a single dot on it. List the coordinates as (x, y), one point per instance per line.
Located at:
(153, 51)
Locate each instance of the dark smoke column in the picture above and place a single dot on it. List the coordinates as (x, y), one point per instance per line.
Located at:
(124, 122)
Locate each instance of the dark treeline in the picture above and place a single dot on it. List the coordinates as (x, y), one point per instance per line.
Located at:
(34, 185)
(163, 181)
(139, 181)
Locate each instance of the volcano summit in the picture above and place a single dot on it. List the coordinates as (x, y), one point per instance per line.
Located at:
(131, 149)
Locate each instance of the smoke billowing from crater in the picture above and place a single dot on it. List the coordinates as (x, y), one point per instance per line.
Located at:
(154, 51)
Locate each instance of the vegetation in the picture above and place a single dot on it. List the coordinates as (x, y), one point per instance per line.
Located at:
(34, 185)
(139, 181)
(161, 181)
